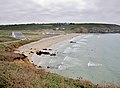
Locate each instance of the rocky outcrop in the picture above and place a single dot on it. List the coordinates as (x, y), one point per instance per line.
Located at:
(45, 53)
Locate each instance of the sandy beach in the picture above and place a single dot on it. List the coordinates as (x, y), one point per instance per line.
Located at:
(44, 43)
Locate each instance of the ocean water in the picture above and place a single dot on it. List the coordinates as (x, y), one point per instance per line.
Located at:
(94, 57)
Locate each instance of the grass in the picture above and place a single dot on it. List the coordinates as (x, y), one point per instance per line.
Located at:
(13, 45)
(2, 82)
(7, 39)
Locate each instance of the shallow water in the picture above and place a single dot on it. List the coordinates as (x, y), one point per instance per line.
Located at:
(95, 57)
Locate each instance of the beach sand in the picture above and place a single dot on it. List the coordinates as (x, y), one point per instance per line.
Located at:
(42, 44)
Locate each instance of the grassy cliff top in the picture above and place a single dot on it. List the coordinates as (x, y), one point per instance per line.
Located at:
(57, 25)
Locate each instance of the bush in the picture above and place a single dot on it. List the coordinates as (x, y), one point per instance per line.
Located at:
(3, 83)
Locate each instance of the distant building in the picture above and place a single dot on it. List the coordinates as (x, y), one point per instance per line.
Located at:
(17, 35)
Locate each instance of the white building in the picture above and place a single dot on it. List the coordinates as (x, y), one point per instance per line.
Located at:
(17, 35)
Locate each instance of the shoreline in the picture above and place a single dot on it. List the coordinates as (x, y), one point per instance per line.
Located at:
(31, 48)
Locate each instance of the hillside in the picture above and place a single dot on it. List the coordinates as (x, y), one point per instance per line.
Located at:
(84, 27)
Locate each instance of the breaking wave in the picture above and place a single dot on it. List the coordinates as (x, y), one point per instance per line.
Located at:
(91, 64)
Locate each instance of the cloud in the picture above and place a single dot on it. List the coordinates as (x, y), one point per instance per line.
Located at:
(22, 11)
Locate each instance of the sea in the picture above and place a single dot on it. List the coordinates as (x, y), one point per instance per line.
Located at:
(93, 57)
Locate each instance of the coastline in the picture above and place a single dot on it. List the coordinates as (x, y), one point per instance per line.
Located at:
(42, 44)
(34, 43)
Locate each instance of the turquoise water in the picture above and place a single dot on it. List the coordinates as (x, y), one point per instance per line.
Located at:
(94, 57)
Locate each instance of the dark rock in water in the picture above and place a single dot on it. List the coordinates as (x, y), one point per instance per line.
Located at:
(49, 49)
(39, 66)
(38, 52)
(48, 66)
(45, 49)
(46, 53)
(72, 42)
(41, 52)
(53, 54)
(31, 52)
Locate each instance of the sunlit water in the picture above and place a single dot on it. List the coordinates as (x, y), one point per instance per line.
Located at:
(95, 57)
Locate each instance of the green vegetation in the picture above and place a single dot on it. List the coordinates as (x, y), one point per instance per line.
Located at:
(91, 27)
(2, 82)
(26, 27)
(7, 39)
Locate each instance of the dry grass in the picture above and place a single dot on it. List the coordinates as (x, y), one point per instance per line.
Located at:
(22, 76)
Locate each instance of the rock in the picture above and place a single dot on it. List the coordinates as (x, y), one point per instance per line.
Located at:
(39, 66)
(31, 52)
(53, 54)
(46, 53)
(38, 52)
(48, 66)
(45, 49)
(41, 52)
(49, 49)
(72, 42)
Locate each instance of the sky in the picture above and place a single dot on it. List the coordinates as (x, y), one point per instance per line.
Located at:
(60, 11)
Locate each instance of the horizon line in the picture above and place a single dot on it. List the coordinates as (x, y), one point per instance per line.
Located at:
(59, 22)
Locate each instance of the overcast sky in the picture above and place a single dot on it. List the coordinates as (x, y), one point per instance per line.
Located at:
(26, 11)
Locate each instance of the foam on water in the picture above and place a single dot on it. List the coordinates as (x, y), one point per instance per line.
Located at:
(67, 63)
(83, 40)
(88, 36)
(66, 58)
(60, 67)
(67, 50)
(50, 61)
(83, 43)
(76, 45)
(91, 64)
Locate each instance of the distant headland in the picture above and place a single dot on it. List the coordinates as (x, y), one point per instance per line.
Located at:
(68, 27)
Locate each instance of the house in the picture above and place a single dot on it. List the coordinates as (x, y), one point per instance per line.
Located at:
(17, 35)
